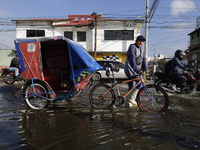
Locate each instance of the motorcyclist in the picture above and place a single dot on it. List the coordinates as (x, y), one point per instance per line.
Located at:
(175, 73)
(14, 66)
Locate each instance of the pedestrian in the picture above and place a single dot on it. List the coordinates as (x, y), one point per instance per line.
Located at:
(175, 73)
(14, 66)
(134, 66)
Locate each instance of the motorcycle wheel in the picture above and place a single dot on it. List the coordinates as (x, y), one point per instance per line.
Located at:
(8, 79)
(158, 82)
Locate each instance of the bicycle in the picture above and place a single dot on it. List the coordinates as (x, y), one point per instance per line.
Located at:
(150, 98)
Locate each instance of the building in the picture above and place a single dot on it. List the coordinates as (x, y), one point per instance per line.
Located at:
(6, 56)
(113, 36)
(194, 45)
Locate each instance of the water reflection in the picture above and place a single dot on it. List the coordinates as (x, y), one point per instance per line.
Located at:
(110, 129)
(86, 128)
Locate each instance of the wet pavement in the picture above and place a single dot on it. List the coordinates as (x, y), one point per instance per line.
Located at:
(74, 124)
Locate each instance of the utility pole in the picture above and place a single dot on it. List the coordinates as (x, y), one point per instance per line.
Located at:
(95, 41)
(146, 28)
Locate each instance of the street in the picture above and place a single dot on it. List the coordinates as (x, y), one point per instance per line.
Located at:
(74, 124)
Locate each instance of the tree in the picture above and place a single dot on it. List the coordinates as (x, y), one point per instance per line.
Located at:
(162, 62)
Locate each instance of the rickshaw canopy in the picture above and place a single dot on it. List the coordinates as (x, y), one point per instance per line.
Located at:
(39, 55)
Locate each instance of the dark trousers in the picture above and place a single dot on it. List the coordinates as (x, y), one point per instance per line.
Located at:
(133, 83)
(178, 79)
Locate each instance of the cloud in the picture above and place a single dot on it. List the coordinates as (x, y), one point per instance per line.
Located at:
(182, 6)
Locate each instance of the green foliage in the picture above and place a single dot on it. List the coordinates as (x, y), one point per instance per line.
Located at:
(162, 62)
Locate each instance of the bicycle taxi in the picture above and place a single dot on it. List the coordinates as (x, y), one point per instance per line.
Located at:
(54, 64)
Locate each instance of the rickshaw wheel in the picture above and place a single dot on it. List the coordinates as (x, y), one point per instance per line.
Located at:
(35, 101)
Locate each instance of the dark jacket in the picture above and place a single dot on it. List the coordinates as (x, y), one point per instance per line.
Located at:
(14, 62)
(176, 64)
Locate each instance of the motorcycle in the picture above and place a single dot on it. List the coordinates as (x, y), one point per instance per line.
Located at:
(9, 76)
(193, 82)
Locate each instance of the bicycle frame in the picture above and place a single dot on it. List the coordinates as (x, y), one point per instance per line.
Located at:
(115, 84)
(150, 98)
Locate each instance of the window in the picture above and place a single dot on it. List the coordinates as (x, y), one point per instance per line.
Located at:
(118, 34)
(119, 65)
(35, 33)
(109, 35)
(192, 37)
(82, 18)
(68, 34)
(81, 36)
(76, 18)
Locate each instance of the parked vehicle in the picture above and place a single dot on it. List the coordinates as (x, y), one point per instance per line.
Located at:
(193, 82)
(9, 76)
(53, 65)
(101, 74)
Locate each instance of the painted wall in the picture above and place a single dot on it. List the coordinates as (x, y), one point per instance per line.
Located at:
(22, 26)
(5, 58)
(195, 38)
(102, 45)
(122, 57)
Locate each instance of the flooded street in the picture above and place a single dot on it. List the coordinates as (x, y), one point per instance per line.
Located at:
(77, 126)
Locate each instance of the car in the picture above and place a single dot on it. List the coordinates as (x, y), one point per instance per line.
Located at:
(101, 74)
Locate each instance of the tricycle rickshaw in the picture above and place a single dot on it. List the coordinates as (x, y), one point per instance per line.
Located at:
(53, 64)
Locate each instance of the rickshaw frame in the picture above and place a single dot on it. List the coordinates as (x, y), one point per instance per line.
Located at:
(34, 70)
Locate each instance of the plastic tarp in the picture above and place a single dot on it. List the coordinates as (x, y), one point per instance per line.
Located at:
(78, 56)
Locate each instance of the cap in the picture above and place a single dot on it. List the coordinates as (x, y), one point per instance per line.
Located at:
(141, 37)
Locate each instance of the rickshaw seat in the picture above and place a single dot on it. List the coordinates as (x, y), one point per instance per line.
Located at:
(53, 80)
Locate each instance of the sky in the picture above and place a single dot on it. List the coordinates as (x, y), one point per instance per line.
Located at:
(169, 26)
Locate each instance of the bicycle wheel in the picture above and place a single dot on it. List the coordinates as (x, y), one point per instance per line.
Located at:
(155, 100)
(36, 102)
(101, 96)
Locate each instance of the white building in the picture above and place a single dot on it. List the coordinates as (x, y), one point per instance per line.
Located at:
(113, 36)
(157, 57)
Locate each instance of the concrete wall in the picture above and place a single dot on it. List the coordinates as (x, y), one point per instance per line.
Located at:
(6, 57)
(102, 45)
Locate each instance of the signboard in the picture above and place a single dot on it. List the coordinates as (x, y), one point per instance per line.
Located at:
(194, 56)
(31, 47)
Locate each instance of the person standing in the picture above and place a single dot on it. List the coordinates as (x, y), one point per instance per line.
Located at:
(134, 66)
(14, 66)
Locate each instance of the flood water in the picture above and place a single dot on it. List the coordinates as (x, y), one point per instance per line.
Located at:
(85, 128)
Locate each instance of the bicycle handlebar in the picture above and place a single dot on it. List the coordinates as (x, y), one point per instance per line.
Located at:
(114, 68)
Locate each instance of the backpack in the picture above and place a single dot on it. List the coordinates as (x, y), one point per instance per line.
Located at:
(167, 67)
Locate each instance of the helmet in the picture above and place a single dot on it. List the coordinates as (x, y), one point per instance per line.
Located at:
(179, 54)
